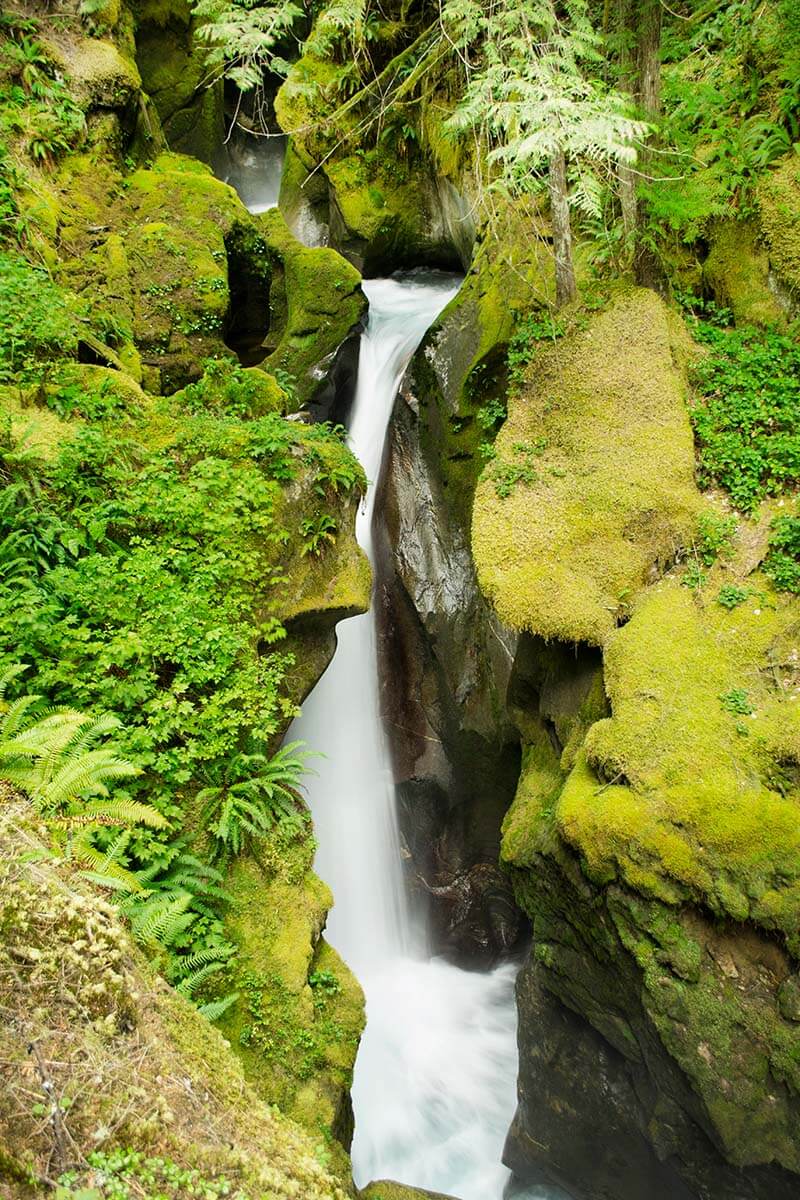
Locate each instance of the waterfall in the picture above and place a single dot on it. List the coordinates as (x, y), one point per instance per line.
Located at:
(252, 165)
(434, 1090)
(352, 795)
(434, 1087)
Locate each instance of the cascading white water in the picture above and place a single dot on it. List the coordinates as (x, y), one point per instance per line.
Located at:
(352, 796)
(434, 1088)
(254, 170)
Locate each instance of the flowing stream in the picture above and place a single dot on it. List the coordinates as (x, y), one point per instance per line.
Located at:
(435, 1080)
(434, 1087)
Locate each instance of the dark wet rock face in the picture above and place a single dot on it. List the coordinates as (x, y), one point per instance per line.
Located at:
(578, 1115)
(445, 663)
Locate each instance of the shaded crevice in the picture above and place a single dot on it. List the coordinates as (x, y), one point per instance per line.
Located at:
(249, 280)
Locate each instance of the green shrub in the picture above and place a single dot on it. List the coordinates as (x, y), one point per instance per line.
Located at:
(714, 536)
(36, 318)
(746, 413)
(731, 595)
(782, 563)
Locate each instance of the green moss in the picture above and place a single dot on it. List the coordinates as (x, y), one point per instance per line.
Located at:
(323, 302)
(563, 554)
(100, 76)
(779, 203)
(384, 212)
(385, 1189)
(737, 273)
(163, 1081)
(528, 825)
(677, 795)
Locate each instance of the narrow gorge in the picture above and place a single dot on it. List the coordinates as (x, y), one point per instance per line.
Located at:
(399, 734)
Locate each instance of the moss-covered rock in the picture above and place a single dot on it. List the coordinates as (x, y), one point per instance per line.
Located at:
(301, 1011)
(779, 206)
(460, 368)
(171, 60)
(384, 208)
(655, 851)
(385, 1189)
(100, 75)
(570, 517)
(695, 790)
(316, 304)
(737, 273)
(136, 1064)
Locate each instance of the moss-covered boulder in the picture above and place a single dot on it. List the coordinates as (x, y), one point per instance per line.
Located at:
(779, 208)
(571, 516)
(696, 795)
(171, 59)
(100, 75)
(177, 221)
(138, 1068)
(316, 306)
(737, 273)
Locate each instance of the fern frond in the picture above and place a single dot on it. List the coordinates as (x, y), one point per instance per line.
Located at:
(216, 1008)
(210, 954)
(115, 812)
(190, 983)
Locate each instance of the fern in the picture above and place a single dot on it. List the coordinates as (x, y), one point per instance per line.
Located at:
(211, 954)
(115, 812)
(216, 1008)
(54, 758)
(159, 920)
(190, 983)
(259, 794)
(242, 40)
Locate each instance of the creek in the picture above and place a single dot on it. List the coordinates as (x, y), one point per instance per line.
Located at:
(434, 1089)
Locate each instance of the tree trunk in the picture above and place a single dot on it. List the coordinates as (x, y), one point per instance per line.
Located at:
(643, 20)
(649, 55)
(628, 82)
(566, 289)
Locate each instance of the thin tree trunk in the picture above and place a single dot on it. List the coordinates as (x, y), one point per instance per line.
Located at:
(566, 289)
(626, 24)
(647, 268)
(649, 53)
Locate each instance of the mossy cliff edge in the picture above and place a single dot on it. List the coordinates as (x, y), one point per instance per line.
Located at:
(652, 840)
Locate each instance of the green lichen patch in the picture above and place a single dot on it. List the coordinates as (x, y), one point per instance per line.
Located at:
(689, 789)
(592, 485)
